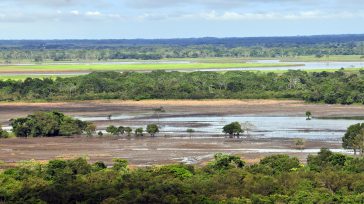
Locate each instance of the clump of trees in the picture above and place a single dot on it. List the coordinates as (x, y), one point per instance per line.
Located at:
(328, 87)
(50, 124)
(326, 178)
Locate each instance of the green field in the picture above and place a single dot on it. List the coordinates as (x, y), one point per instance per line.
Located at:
(131, 67)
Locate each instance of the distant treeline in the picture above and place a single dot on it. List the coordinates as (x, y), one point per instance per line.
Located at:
(73, 50)
(336, 87)
(327, 178)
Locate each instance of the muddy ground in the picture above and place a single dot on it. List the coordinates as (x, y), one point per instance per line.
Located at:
(161, 150)
(182, 107)
(148, 151)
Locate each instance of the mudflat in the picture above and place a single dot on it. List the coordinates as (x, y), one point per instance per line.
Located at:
(165, 148)
(181, 107)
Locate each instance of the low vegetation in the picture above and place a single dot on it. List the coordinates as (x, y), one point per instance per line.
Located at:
(327, 178)
(337, 87)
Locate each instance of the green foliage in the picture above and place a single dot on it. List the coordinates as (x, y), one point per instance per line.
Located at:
(326, 159)
(225, 161)
(308, 115)
(139, 132)
(280, 163)
(337, 87)
(128, 130)
(112, 130)
(225, 180)
(49, 124)
(120, 164)
(90, 128)
(233, 128)
(3, 133)
(354, 138)
(152, 129)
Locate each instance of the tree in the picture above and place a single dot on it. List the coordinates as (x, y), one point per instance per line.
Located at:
(128, 130)
(190, 131)
(353, 138)
(100, 134)
(121, 130)
(112, 130)
(90, 129)
(139, 132)
(232, 129)
(308, 115)
(152, 129)
(3, 133)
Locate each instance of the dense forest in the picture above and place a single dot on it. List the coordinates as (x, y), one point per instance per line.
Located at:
(327, 178)
(74, 50)
(328, 87)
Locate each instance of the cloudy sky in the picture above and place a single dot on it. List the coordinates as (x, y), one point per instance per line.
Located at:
(99, 19)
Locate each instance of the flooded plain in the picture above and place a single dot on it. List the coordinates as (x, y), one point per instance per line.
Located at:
(256, 126)
(274, 126)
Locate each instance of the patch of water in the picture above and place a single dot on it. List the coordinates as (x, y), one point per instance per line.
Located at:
(267, 127)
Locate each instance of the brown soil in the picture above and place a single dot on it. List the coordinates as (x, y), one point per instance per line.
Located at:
(143, 151)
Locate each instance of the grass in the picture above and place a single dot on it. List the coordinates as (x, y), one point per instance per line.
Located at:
(338, 58)
(342, 117)
(23, 77)
(132, 67)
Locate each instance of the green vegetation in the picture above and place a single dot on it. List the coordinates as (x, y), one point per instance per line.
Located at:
(354, 138)
(308, 115)
(327, 178)
(337, 87)
(115, 130)
(233, 129)
(50, 124)
(128, 130)
(152, 129)
(190, 131)
(139, 132)
(132, 67)
(3, 133)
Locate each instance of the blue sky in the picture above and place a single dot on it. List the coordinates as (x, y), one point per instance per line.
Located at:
(105, 19)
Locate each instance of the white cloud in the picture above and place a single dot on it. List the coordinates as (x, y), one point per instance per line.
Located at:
(75, 12)
(93, 13)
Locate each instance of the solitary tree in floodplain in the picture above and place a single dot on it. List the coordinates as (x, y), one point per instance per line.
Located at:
(152, 129)
(308, 115)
